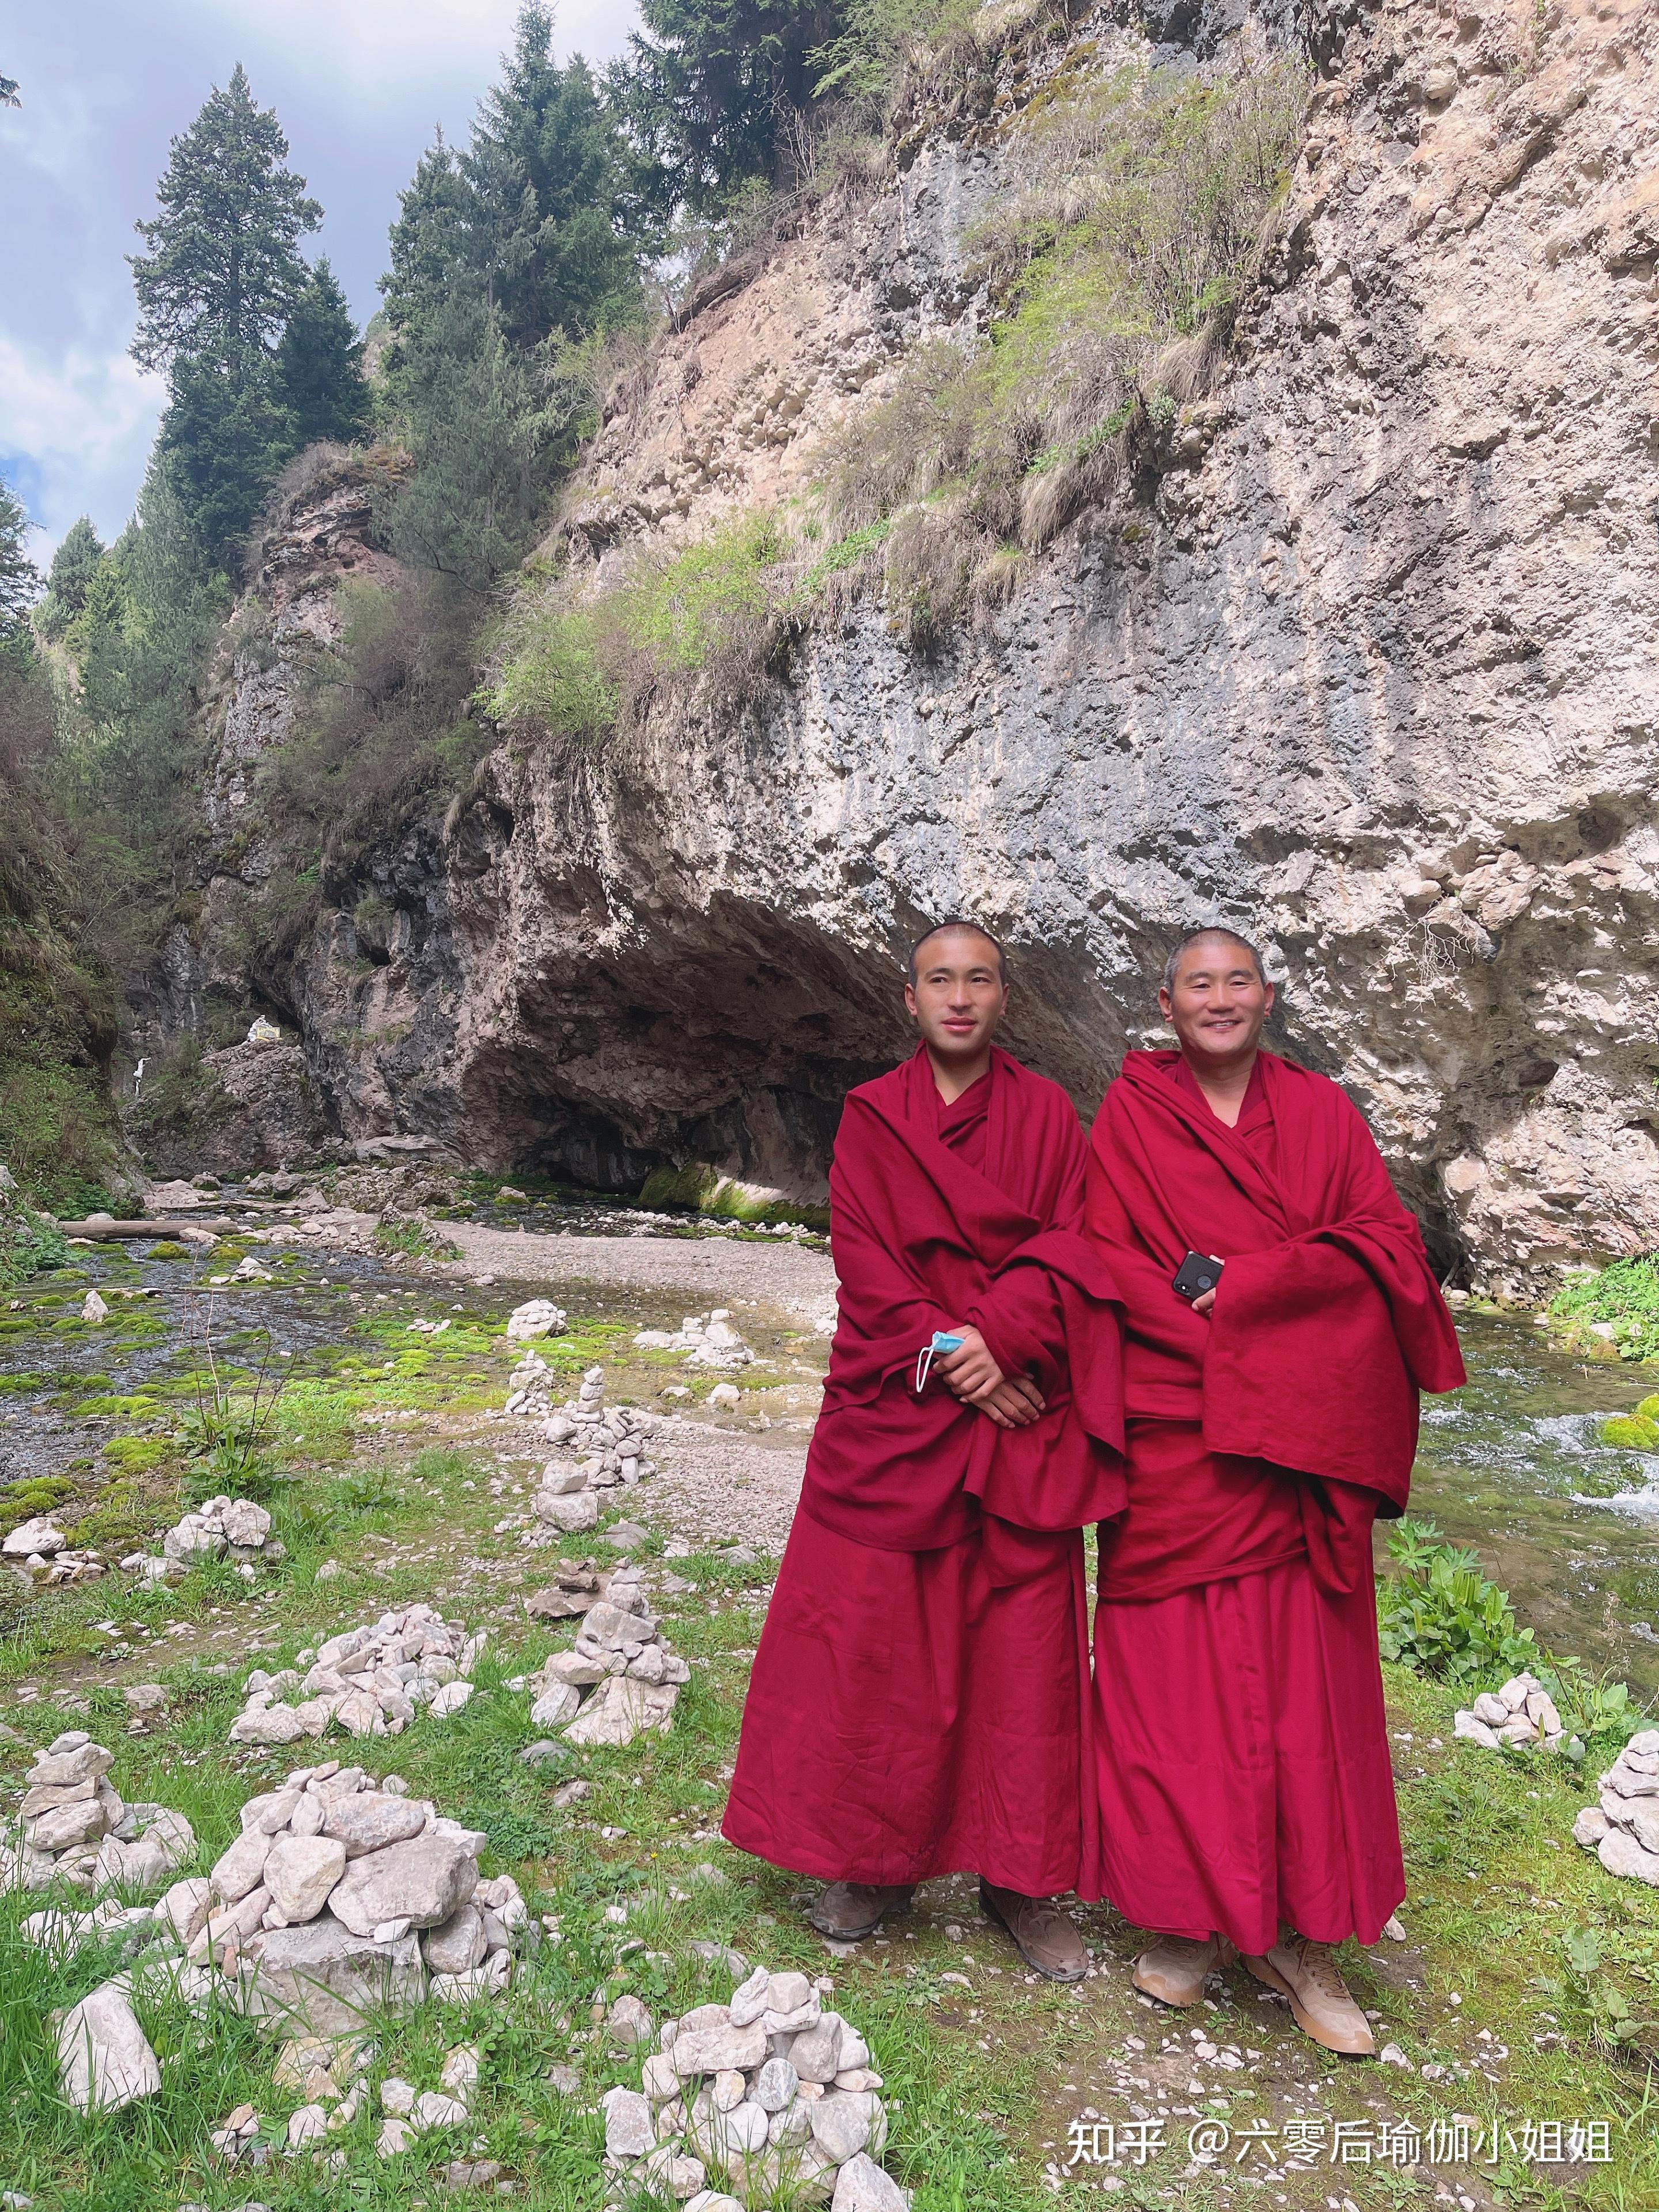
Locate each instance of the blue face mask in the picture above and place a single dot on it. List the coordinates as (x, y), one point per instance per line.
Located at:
(930, 1351)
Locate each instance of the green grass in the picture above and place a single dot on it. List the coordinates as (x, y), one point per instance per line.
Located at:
(1623, 1296)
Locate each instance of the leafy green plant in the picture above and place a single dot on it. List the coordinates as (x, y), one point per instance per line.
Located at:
(1437, 1612)
(1623, 1298)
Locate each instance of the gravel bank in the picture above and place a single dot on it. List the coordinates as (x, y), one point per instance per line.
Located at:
(714, 1487)
(707, 1270)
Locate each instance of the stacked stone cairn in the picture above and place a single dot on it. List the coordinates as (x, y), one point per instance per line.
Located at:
(1623, 1828)
(707, 1339)
(223, 1529)
(1521, 1713)
(620, 1680)
(770, 2093)
(74, 1828)
(598, 1446)
(340, 1895)
(369, 1681)
(535, 1319)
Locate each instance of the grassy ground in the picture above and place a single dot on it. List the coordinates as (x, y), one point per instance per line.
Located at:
(1522, 1992)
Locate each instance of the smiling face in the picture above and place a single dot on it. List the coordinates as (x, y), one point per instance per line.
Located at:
(1217, 1004)
(958, 996)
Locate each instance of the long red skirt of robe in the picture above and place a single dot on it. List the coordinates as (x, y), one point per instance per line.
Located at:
(915, 1712)
(1240, 1741)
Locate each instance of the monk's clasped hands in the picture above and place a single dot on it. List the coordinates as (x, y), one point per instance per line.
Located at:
(971, 1373)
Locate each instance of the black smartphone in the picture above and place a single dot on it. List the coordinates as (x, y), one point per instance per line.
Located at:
(1197, 1273)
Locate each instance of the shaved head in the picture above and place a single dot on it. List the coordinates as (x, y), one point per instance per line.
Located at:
(1218, 932)
(957, 925)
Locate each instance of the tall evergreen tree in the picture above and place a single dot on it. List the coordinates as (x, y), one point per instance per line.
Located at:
(19, 580)
(707, 86)
(223, 270)
(73, 566)
(319, 366)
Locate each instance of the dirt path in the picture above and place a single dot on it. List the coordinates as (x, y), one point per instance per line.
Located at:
(706, 1270)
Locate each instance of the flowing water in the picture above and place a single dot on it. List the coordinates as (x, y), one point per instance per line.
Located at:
(1512, 1465)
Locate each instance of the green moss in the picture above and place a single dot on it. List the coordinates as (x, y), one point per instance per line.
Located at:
(167, 1249)
(134, 1454)
(1629, 1432)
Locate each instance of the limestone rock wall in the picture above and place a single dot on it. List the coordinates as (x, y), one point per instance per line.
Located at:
(1372, 675)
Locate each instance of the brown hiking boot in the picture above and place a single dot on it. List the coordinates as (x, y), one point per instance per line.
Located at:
(1173, 1971)
(1044, 1936)
(1307, 1973)
(849, 1911)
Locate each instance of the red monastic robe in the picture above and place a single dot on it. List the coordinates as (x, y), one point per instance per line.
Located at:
(1240, 1739)
(920, 1703)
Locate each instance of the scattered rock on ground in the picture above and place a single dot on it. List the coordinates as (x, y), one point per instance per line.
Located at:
(369, 1681)
(707, 1339)
(104, 2056)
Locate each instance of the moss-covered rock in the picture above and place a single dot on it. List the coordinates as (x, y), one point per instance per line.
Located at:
(1631, 1432)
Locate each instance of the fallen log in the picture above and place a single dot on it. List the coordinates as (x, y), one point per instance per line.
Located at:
(99, 1228)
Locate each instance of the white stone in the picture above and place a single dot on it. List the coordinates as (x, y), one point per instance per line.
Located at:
(629, 2127)
(450, 1699)
(398, 2095)
(863, 2186)
(33, 1537)
(103, 2055)
(458, 1944)
(775, 2085)
(715, 2049)
(395, 2136)
(621, 1710)
(1468, 1729)
(629, 2022)
(1621, 1854)
(422, 1881)
(841, 2123)
(308, 2125)
(301, 1871)
(242, 1866)
(556, 1705)
(433, 2110)
(535, 1319)
(94, 1310)
(579, 1510)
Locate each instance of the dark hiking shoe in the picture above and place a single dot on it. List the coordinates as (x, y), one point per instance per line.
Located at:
(849, 1911)
(1044, 1936)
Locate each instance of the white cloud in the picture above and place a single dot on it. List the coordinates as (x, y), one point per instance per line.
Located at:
(84, 424)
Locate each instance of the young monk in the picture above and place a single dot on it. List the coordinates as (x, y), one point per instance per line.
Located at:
(920, 1702)
(1246, 1794)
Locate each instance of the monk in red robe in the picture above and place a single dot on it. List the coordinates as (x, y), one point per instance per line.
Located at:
(1246, 1794)
(920, 1702)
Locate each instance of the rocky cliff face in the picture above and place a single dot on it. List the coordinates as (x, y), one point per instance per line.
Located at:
(1368, 669)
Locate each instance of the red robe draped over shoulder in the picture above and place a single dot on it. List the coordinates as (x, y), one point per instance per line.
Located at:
(1241, 1751)
(919, 1704)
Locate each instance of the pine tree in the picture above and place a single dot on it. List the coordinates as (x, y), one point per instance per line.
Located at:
(319, 366)
(707, 86)
(545, 169)
(223, 272)
(73, 566)
(19, 580)
(221, 443)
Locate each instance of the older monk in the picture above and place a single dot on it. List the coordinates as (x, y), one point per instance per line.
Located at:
(1246, 1792)
(919, 1701)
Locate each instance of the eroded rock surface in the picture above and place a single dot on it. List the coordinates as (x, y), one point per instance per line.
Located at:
(1366, 667)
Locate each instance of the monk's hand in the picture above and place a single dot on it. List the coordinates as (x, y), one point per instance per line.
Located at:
(1202, 1304)
(971, 1368)
(1014, 1404)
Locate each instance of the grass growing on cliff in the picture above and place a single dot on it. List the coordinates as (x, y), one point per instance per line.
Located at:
(1140, 207)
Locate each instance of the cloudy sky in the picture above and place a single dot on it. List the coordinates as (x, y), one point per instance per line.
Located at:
(358, 84)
